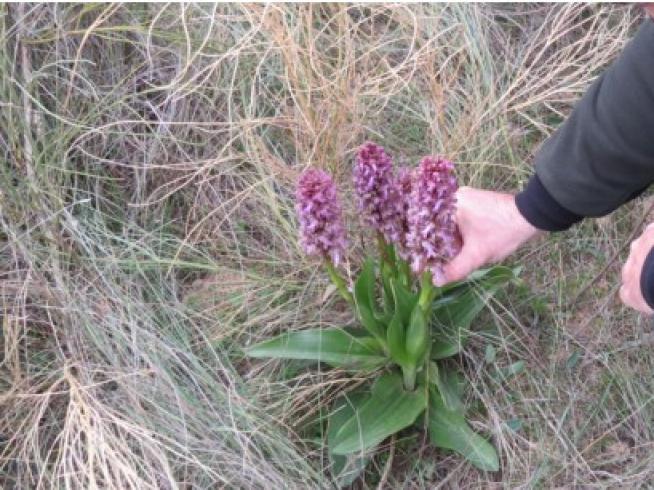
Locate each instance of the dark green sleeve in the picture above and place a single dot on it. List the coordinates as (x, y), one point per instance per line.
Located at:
(603, 155)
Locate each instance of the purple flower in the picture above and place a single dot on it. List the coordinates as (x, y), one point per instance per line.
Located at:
(433, 238)
(376, 190)
(319, 211)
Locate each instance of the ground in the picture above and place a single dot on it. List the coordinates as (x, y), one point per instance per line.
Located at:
(148, 234)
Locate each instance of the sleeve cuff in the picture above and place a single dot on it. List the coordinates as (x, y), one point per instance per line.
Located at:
(647, 279)
(541, 210)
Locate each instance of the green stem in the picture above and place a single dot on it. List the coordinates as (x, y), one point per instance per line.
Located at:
(405, 272)
(381, 247)
(339, 282)
(409, 376)
(426, 292)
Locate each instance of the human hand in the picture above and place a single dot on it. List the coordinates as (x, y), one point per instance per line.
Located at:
(491, 228)
(630, 291)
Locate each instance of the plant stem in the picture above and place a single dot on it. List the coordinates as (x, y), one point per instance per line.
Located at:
(426, 292)
(381, 248)
(339, 282)
(404, 271)
(409, 376)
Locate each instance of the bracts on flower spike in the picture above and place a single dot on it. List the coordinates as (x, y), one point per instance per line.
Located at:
(433, 237)
(377, 192)
(322, 233)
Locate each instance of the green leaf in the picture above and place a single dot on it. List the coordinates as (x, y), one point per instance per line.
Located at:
(364, 296)
(404, 272)
(364, 286)
(395, 336)
(448, 429)
(449, 386)
(405, 300)
(389, 301)
(390, 253)
(460, 307)
(334, 346)
(480, 275)
(345, 468)
(442, 348)
(460, 304)
(389, 409)
(369, 322)
(417, 336)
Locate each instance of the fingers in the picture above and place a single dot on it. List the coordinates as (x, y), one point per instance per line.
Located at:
(466, 261)
(460, 266)
(623, 295)
(461, 207)
(626, 278)
(630, 292)
(491, 227)
(631, 297)
(626, 286)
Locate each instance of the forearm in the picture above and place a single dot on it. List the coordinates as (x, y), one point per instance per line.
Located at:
(603, 155)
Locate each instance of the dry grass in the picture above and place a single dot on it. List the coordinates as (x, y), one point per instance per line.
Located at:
(147, 233)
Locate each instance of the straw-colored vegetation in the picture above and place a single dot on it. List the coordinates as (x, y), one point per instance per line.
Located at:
(147, 233)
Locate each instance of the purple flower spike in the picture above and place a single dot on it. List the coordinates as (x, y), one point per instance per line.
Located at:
(433, 237)
(375, 187)
(321, 228)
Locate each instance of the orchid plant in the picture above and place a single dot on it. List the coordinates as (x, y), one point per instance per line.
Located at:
(409, 321)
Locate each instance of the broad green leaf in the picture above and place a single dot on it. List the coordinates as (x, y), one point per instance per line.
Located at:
(449, 386)
(395, 336)
(389, 409)
(466, 303)
(417, 336)
(448, 429)
(334, 346)
(478, 276)
(455, 311)
(389, 301)
(344, 468)
(369, 322)
(364, 296)
(364, 286)
(405, 300)
(444, 348)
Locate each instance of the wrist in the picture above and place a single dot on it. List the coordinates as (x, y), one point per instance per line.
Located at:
(537, 206)
(524, 230)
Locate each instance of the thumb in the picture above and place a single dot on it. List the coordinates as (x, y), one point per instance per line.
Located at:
(461, 265)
